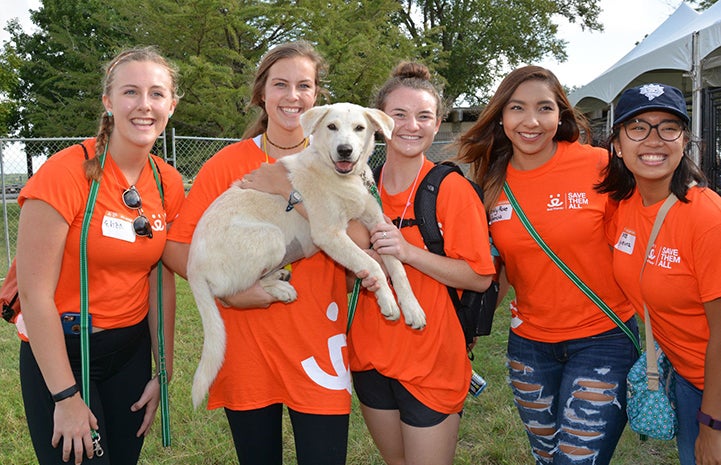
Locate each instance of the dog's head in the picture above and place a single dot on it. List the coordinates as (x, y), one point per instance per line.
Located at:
(343, 133)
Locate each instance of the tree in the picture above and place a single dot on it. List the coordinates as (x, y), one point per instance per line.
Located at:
(217, 44)
(474, 42)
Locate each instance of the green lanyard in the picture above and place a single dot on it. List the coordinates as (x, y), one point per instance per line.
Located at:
(84, 309)
(566, 270)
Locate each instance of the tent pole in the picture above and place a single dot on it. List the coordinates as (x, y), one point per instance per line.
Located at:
(695, 98)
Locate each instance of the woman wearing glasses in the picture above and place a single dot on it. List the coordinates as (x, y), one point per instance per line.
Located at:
(125, 239)
(680, 283)
(567, 360)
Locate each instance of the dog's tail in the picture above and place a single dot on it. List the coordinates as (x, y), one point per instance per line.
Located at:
(213, 338)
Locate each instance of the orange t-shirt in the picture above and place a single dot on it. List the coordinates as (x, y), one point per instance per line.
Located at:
(287, 353)
(432, 363)
(684, 271)
(118, 261)
(560, 202)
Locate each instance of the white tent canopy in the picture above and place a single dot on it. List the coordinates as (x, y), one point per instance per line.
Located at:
(684, 51)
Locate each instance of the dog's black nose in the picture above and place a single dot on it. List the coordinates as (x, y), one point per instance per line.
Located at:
(345, 150)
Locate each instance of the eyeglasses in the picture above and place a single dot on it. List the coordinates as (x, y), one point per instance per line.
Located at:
(141, 224)
(668, 130)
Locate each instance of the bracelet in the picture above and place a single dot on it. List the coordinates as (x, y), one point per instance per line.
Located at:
(708, 420)
(66, 393)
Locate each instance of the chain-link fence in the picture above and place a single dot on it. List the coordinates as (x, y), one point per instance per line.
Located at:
(20, 158)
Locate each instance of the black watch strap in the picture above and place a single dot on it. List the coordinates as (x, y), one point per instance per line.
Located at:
(66, 393)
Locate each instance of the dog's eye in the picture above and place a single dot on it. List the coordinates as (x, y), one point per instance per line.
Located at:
(332, 127)
(359, 128)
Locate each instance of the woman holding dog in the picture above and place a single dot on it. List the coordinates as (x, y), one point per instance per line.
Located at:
(124, 243)
(680, 283)
(269, 343)
(567, 359)
(412, 384)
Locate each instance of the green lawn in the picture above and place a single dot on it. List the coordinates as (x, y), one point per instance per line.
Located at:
(491, 432)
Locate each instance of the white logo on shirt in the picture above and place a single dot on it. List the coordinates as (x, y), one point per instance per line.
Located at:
(341, 379)
(573, 201)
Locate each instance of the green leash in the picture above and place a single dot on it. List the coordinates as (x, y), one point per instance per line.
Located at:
(566, 270)
(162, 368)
(84, 315)
(84, 304)
(353, 300)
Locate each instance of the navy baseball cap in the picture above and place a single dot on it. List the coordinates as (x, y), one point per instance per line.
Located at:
(650, 97)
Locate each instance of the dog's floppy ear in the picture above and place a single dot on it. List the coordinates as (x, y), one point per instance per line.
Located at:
(382, 121)
(310, 119)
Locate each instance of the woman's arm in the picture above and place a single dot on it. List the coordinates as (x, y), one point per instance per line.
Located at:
(42, 232)
(708, 443)
(454, 272)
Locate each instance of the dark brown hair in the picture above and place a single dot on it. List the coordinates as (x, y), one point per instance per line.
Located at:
(299, 48)
(414, 76)
(486, 147)
(93, 170)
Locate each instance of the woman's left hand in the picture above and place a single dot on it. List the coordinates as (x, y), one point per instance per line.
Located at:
(269, 178)
(708, 446)
(388, 240)
(150, 399)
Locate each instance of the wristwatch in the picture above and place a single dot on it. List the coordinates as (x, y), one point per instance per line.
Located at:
(708, 420)
(294, 199)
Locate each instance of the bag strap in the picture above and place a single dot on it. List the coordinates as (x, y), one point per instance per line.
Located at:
(566, 270)
(651, 358)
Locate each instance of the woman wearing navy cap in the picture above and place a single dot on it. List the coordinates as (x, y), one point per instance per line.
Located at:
(680, 283)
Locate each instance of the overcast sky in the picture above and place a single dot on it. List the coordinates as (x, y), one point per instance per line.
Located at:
(626, 22)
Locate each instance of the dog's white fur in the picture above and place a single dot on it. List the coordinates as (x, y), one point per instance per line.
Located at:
(246, 235)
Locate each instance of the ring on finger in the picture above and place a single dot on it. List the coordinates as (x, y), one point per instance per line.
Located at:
(384, 235)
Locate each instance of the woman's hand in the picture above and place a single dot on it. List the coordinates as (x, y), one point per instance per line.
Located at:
(388, 240)
(253, 297)
(268, 178)
(72, 422)
(150, 399)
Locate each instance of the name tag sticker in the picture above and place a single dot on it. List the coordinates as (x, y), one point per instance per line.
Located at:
(501, 212)
(118, 227)
(626, 242)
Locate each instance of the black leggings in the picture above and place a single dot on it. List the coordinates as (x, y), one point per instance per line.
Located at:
(119, 370)
(257, 434)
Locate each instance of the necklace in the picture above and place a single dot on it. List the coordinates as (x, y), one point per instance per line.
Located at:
(303, 141)
(410, 194)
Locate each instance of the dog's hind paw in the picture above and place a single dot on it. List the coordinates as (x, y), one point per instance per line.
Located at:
(277, 285)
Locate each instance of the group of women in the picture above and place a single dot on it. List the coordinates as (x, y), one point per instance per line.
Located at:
(567, 360)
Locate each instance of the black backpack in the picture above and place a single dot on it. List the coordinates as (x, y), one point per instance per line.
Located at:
(475, 310)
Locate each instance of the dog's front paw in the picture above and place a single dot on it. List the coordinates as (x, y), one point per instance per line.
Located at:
(389, 307)
(414, 315)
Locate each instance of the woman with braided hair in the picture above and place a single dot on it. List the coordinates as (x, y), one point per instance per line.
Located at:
(125, 239)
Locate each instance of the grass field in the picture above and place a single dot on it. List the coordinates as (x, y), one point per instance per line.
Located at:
(491, 433)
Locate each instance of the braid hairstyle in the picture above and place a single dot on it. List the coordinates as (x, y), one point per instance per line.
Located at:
(485, 145)
(93, 170)
(300, 48)
(413, 76)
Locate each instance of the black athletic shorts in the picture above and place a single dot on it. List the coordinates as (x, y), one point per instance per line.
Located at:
(380, 392)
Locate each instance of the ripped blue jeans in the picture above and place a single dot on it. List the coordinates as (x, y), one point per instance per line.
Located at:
(571, 395)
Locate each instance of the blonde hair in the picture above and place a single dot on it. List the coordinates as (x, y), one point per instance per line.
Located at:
(93, 170)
